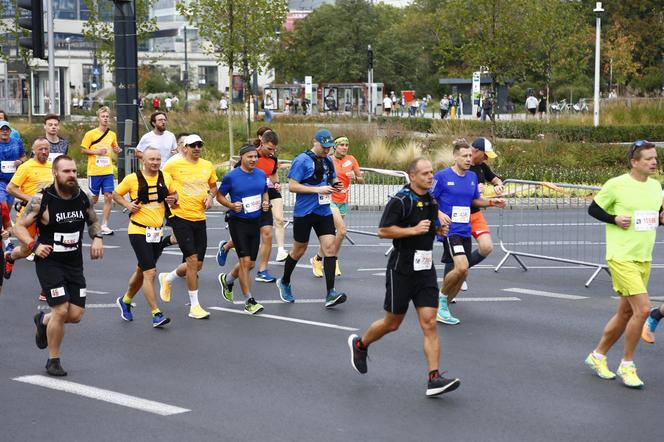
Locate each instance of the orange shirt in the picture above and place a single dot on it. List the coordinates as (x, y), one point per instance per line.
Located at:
(343, 167)
(269, 165)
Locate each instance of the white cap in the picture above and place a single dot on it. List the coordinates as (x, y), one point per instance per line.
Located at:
(191, 139)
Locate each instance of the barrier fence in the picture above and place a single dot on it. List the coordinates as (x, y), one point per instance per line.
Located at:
(551, 222)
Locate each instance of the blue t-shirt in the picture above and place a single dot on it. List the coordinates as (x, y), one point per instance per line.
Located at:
(455, 195)
(10, 151)
(247, 188)
(301, 169)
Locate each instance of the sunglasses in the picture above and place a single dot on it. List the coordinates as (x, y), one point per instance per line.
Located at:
(197, 144)
(638, 144)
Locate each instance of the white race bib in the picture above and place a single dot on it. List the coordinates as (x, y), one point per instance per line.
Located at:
(347, 163)
(460, 214)
(324, 199)
(422, 260)
(645, 220)
(7, 167)
(53, 155)
(102, 161)
(57, 292)
(65, 242)
(153, 234)
(251, 204)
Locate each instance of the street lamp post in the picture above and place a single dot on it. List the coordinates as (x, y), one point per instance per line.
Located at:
(598, 24)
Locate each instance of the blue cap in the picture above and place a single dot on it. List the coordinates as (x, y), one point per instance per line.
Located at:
(324, 137)
(3, 123)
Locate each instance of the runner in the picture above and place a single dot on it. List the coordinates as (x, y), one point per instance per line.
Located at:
(630, 205)
(411, 220)
(30, 178)
(648, 333)
(59, 146)
(312, 178)
(194, 180)
(249, 203)
(5, 230)
(456, 190)
(159, 138)
(346, 168)
(150, 191)
(98, 144)
(179, 148)
(12, 155)
(61, 212)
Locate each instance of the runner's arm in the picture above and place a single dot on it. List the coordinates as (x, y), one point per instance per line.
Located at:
(14, 190)
(600, 214)
(297, 187)
(97, 247)
(221, 199)
(496, 202)
(359, 179)
(28, 217)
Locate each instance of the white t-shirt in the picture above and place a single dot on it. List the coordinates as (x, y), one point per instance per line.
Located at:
(387, 103)
(223, 104)
(176, 156)
(531, 102)
(168, 102)
(166, 143)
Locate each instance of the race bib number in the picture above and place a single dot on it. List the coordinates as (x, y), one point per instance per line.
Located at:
(8, 167)
(83, 293)
(422, 260)
(102, 161)
(251, 204)
(324, 199)
(347, 163)
(65, 242)
(153, 234)
(53, 155)
(645, 220)
(461, 214)
(57, 292)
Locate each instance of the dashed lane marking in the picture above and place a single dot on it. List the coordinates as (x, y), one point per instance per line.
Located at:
(544, 294)
(285, 318)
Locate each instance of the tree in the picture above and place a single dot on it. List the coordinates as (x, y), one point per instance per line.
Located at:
(236, 31)
(619, 48)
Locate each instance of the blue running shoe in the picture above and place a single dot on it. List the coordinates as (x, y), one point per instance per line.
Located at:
(265, 276)
(444, 314)
(334, 298)
(159, 319)
(125, 310)
(222, 254)
(285, 292)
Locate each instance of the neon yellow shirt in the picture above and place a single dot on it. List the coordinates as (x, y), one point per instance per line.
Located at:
(151, 214)
(100, 164)
(192, 182)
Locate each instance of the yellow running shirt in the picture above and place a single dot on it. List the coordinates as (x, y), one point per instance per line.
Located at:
(151, 214)
(32, 176)
(100, 164)
(192, 182)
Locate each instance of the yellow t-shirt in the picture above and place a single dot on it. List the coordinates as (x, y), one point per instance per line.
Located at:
(100, 164)
(191, 181)
(151, 214)
(32, 176)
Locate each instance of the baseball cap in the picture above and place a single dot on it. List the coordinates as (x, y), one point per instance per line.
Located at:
(191, 139)
(3, 123)
(324, 137)
(485, 146)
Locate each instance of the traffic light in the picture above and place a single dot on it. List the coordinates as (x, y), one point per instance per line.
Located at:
(35, 24)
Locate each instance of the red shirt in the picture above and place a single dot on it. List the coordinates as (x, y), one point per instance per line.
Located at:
(268, 164)
(343, 166)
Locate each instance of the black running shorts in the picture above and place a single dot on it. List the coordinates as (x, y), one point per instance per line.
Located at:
(455, 246)
(266, 218)
(322, 225)
(61, 282)
(191, 236)
(420, 287)
(246, 236)
(2, 262)
(147, 253)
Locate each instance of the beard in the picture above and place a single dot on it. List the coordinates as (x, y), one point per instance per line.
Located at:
(67, 186)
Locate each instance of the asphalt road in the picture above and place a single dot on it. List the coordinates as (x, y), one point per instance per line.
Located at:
(519, 352)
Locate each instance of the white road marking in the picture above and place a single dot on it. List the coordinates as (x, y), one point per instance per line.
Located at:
(277, 301)
(96, 292)
(490, 299)
(88, 306)
(285, 318)
(652, 298)
(106, 247)
(544, 294)
(103, 395)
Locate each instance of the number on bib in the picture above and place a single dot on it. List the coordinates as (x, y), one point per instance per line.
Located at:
(460, 214)
(324, 199)
(645, 220)
(65, 242)
(422, 260)
(102, 161)
(251, 204)
(153, 234)
(8, 166)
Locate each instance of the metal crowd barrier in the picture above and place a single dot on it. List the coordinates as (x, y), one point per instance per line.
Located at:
(551, 222)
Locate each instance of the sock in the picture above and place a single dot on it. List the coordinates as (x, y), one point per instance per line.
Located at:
(599, 356)
(193, 297)
(281, 249)
(449, 266)
(230, 278)
(433, 374)
(624, 363)
(656, 314)
(289, 266)
(475, 258)
(250, 298)
(317, 257)
(126, 299)
(155, 312)
(329, 267)
(171, 277)
(361, 346)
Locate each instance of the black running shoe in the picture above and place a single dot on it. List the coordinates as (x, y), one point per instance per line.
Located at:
(40, 337)
(439, 385)
(358, 357)
(54, 368)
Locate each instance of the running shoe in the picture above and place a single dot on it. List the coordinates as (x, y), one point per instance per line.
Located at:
(10, 247)
(648, 332)
(358, 356)
(599, 366)
(159, 319)
(334, 298)
(265, 276)
(9, 266)
(316, 267)
(226, 288)
(444, 314)
(464, 286)
(222, 254)
(40, 337)
(42, 297)
(105, 230)
(125, 310)
(285, 292)
(337, 270)
(251, 306)
(30, 257)
(165, 288)
(281, 255)
(439, 385)
(629, 376)
(197, 312)
(54, 368)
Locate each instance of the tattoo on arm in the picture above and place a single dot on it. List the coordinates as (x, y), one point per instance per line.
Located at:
(31, 210)
(93, 222)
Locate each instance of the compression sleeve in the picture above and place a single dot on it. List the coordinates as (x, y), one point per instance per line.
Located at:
(600, 214)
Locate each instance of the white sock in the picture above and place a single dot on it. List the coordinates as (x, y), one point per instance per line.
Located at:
(171, 277)
(230, 278)
(247, 295)
(599, 356)
(193, 297)
(624, 363)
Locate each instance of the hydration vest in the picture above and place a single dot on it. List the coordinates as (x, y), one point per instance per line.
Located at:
(319, 169)
(145, 192)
